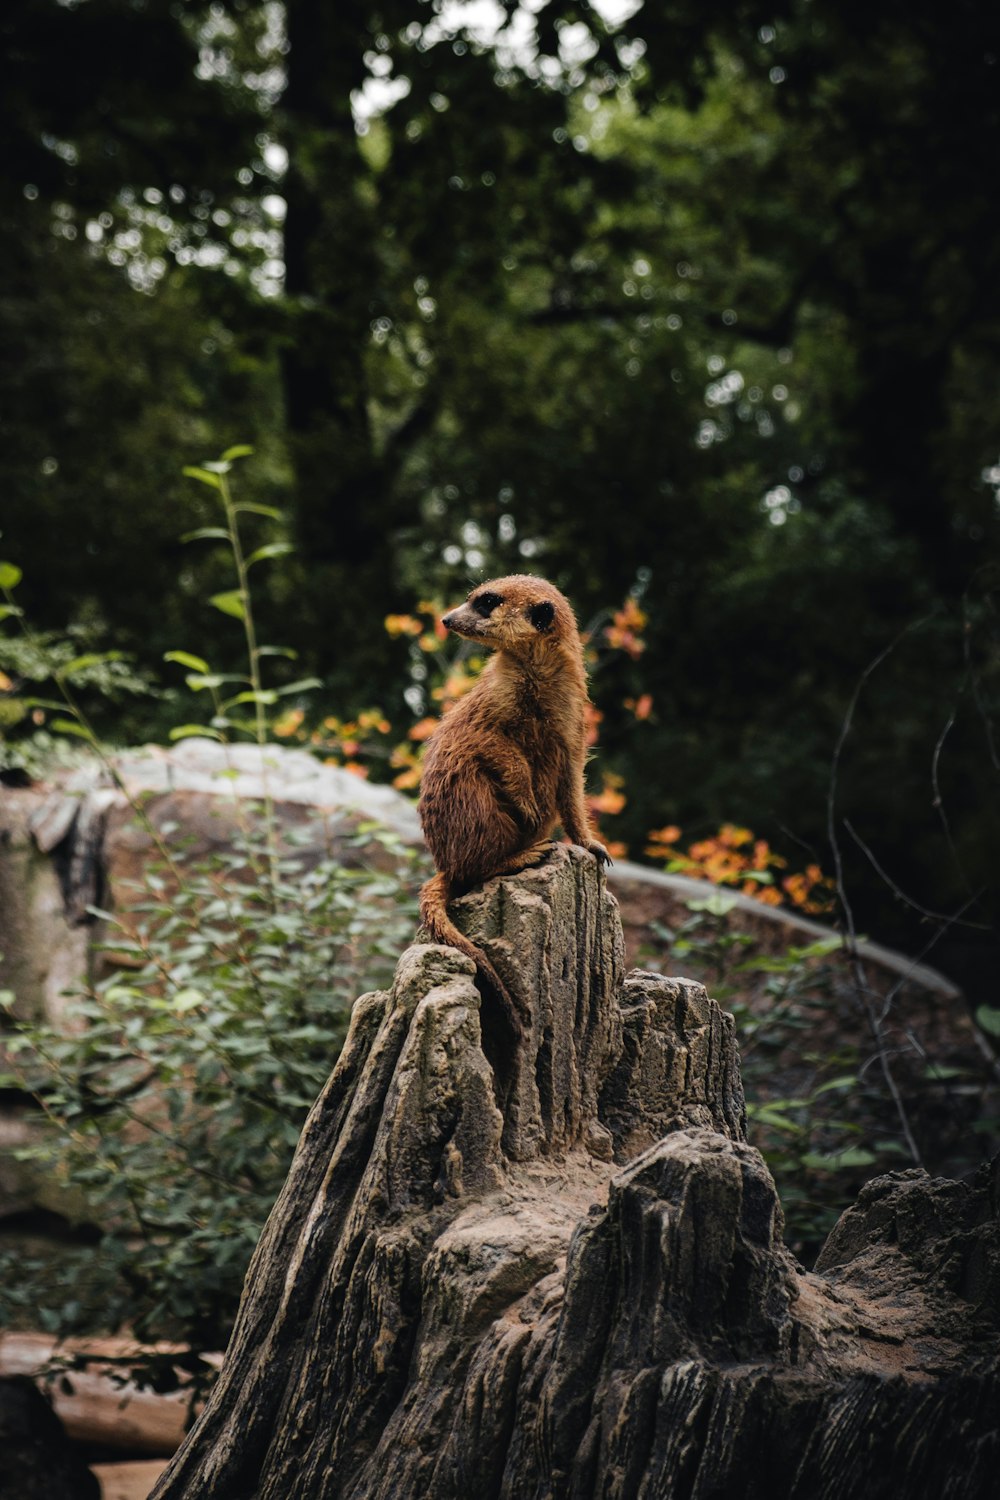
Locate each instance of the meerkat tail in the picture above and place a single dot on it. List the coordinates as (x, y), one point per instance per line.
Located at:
(434, 897)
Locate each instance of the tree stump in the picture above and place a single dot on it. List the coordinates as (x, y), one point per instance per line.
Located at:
(560, 1273)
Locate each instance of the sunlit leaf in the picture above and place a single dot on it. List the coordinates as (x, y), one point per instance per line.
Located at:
(265, 696)
(304, 686)
(271, 549)
(186, 659)
(230, 603)
(252, 508)
(70, 726)
(206, 533)
(10, 575)
(187, 731)
(185, 1000)
(240, 450)
(277, 651)
(202, 475)
(91, 659)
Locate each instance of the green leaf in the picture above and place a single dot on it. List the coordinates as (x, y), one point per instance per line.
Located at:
(10, 575)
(230, 603)
(70, 726)
(765, 965)
(202, 475)
(278, 651)
(272, 549)
(204, 533)
(305, 685)
(185, 1000)
(186, 731)
(240, 450)
(943, 1072)
(251, 508)
(763, 1115)
(819, 949)
(845, 1081)
(988, 1017)
(91, 659)
(267, 696)
(717, 905)
(835, 1161)
(6, 610)
(185, 659)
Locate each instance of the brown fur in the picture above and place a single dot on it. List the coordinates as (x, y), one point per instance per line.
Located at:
(505, 766)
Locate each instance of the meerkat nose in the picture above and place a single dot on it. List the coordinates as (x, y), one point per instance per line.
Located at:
(446, 621)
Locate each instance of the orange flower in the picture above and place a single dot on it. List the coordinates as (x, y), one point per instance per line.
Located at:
(726, 860)
(668, 835)
(608, 801)
(403, 625)
(592, 719)
(373, 718)
(623, 632)
(642, 707)
(423, 729)
(287, 723)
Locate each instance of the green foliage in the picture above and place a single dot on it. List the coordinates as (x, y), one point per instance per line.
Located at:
(675, 312)
(174, 1099)
(31, 741)
(817, 1108)
(175, 1095)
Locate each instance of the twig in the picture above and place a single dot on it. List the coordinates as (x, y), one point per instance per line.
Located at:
(950, 920)
(850, 938)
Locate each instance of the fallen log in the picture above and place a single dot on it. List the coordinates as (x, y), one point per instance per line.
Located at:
(127, 1481)
(560, 1272)
(86, 1381)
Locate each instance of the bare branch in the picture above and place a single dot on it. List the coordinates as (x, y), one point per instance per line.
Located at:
(950, 919)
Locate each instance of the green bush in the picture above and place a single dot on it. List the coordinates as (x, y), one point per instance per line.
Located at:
(173, 1097)
(174, 1102)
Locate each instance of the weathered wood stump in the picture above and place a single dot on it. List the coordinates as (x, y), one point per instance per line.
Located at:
(561, 1273)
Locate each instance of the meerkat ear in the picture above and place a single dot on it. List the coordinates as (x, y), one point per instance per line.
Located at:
(542, 615)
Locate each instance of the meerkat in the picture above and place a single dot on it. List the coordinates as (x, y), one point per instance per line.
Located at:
(505, 765)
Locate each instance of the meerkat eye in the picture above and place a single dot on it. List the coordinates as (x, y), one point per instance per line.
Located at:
(542, 615)
(485, 604)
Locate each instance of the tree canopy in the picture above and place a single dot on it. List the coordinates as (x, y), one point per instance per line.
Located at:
(694, 302)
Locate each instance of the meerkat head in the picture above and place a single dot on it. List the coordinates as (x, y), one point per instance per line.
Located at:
(522, 615)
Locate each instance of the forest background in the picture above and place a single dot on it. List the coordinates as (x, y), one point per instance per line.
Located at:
(693, 309)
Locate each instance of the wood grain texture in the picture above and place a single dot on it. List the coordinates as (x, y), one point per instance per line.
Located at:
(558, 1273)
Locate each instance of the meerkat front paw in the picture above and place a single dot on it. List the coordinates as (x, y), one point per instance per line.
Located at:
(599, 852)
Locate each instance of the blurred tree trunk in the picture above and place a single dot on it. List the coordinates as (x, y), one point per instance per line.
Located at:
(340, 495)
